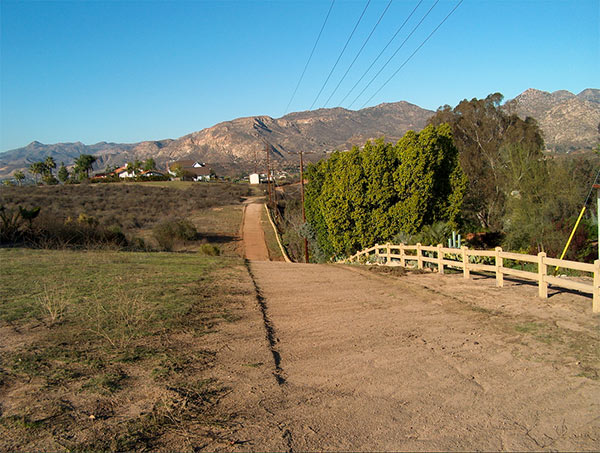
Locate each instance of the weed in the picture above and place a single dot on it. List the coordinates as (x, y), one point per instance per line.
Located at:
(119, 320)
(528, 327)
(106, 383)
(53, 302)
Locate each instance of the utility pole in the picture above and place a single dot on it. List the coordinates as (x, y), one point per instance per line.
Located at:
(597, 186)
(268, 174)
(303, 210)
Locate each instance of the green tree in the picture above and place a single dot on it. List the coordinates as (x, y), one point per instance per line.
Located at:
(480, 128)
(149, 164)
(49, 164)
(429, 179)
(544, 198)
(37, 168)
(83, 164)
(63, 173)
(177, 169)
(358, 198)
(19, 176)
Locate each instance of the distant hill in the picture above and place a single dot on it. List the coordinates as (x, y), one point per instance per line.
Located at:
(568, 121)
(236, 144)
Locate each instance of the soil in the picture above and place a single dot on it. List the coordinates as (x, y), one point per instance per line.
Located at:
(348, 359)
(255, 247)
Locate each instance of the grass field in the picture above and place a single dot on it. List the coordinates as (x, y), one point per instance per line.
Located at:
(84, 331)
(113, 350)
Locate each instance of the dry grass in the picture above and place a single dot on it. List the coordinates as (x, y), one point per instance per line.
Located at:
(270, 238)
(127, 206)
(112, 215)
(107, 350)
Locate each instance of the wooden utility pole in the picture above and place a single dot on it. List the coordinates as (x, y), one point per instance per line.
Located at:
(597, 186)
(303, 210)
(268, 174)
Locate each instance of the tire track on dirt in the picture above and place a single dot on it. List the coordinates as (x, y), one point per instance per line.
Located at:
(269, 329)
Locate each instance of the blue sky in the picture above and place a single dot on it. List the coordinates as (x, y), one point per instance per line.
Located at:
(126, 71)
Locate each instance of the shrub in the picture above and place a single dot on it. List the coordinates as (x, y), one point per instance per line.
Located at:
(210, 250)
(170, 232)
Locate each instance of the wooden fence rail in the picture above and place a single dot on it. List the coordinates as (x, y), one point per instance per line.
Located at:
(467, 260)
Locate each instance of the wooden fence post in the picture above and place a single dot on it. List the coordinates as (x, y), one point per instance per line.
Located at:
(465, 258)
(377, 253)
(419, 256)
(440, 257)
(388, 259)
(596, 299)
(542, 272)
(402, 259)
(499, 263)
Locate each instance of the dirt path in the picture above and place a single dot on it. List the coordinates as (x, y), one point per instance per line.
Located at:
(420, 362)
(253, 235)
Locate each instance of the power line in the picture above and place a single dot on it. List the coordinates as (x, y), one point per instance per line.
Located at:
(413, 54)
(341, 53)
(310, 57)
(394, 54)
(381, 53)
(358, 54)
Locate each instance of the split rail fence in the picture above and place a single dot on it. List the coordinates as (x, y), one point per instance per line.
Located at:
(466, 259)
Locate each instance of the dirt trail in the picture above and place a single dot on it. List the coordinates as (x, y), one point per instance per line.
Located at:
(253, 235)
(419, 362)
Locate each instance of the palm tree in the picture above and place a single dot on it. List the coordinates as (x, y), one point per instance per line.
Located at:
(50, 164)
(84, 163)
(19, 176)
(36, 168)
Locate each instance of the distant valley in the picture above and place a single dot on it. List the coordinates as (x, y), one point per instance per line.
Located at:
(569, 123)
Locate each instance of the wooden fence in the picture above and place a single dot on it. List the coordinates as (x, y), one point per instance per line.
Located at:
(467, 260)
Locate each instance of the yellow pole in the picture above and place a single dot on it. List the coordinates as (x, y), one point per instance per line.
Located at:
(571, 237)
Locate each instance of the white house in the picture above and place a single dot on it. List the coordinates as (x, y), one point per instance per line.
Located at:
(122, 172)
(254, 178)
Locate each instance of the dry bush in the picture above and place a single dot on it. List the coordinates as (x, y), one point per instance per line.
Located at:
(128, 206)
(168, 233)
(120, 319)
(53, 303)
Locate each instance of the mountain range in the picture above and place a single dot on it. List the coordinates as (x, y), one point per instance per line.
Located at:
(569, 122)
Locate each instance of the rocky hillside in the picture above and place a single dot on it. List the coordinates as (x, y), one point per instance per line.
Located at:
(237, 144)
(569, 122)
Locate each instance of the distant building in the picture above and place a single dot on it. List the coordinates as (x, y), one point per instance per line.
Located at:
(150, 173)
(189, 170)
(254, 178)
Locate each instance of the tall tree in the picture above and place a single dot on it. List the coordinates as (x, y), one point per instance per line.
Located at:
(63, 173)
(84, 163)
(480, 128)
(19, 177)
(37, 168)
(360, 197)
(149, 164)
(49, 164)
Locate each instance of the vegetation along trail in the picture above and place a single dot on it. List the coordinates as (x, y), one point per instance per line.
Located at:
(377, 360)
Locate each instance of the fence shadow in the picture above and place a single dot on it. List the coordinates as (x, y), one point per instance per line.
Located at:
(552, 289)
